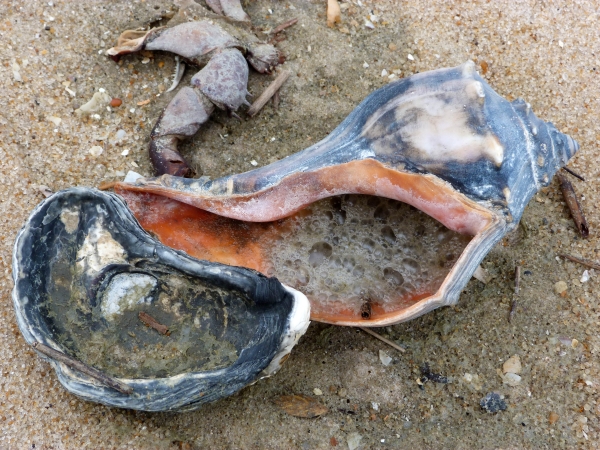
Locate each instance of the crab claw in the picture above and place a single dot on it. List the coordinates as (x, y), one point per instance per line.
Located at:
(224, 79)
(230, 8)
(182, 118)
(264, 57)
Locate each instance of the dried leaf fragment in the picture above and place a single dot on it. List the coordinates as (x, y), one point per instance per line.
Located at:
(299, 405)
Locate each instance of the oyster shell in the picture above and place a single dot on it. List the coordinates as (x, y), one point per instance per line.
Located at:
(442, 141)
(85, 273)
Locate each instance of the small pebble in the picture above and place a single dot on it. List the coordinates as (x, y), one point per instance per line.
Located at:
(116, 102)
(512, 379)
(254, 163)
(317, 391)
(411, 57)
(384, 73)
(493, 402)
(385, 359)
(560, 287)
(585, 277)
(57, 120)
(553, 418)
(125, 152)
(343, 393)
(512, 365)
(96, 150)
(369, 24)
(354, 441)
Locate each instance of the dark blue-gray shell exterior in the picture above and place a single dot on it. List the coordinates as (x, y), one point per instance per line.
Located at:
(83, 270)
(442, 141)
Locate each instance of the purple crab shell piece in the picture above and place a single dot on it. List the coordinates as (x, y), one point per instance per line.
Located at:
(442, 141)
(224, 79)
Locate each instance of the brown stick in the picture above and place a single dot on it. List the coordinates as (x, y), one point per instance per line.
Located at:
(381, 338)
(106, 185)
(513, 304)
(83, 368)
(582, 261)
(151, 322)
(283, 26)
(572, 172)
(573, 204)
(276, 99)
(268, 93)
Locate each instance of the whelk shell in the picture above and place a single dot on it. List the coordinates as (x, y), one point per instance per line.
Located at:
(442, 141)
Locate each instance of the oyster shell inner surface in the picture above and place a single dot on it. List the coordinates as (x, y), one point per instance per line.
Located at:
(87, 271)
(354, 256)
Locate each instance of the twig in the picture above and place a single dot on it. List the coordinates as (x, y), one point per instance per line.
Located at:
(572, 172)
(574, 206)
(582, 261)
(513, 304)
(106, 185)
(276, 98)
(83, 368)
(268, 93)
(283, 26)
(151, 322)
(381, 338)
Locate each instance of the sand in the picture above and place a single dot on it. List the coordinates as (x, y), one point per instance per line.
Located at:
(53, 60)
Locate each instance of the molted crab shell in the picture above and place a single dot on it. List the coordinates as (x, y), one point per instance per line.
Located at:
(85, 273)
(442, 141)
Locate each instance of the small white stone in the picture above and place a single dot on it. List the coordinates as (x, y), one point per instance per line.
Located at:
(132, 176)
(132, 110)
(385, 359)
(384, 73)
(411, 57)
(125, 152)
(561, 44)
(254, 163)
(57, 120)
(375, 406)
(585, 277)
(512, 379)
(365, 65)
(96, 150)
(354, 441)
(317, 391)
(369, 24)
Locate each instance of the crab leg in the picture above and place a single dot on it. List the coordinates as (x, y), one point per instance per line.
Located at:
(221, 83)
(230, 8)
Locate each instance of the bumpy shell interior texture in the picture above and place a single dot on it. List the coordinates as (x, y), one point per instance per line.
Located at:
(86, 275)
(442, 141)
